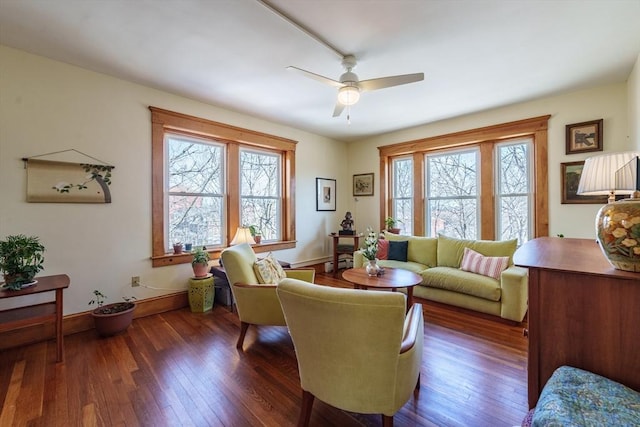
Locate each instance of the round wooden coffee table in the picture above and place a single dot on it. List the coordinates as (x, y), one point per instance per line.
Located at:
(393, 278)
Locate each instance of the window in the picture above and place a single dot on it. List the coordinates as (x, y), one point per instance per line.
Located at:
(195, 192)
(452, 194)
(513, 192)
(403, 193)
(487, 183)
(260, 192)
(210, 178)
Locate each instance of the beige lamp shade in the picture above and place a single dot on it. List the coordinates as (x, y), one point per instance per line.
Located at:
(599, 174)
(243, 235)
(627, 177)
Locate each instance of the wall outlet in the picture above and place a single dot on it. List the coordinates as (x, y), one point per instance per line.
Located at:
(135, 281)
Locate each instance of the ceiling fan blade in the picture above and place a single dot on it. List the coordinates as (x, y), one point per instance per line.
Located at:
(338, 110)
(383, 82)
(314, 76)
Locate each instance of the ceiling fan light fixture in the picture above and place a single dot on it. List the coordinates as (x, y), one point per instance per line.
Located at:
(348, 95)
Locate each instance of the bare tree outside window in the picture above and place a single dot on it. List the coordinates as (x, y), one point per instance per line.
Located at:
(403, 194)
(513, 193)
(260, 192)
(195, 190)
(452, 194)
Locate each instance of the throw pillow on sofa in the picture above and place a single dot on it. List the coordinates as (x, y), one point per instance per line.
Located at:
(487, 266)
(398, 250)
(383, 249)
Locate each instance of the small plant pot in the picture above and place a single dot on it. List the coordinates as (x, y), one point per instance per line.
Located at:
(200, 270)
(258, 239)
(177, 249)
(394, 230)
(114, 318)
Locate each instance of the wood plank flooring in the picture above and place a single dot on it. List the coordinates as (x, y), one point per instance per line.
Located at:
(182, 369)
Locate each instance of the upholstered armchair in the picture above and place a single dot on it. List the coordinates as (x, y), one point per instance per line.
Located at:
(357, 350)
(257, 303)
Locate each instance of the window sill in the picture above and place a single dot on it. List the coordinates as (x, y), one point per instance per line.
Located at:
(185, 257)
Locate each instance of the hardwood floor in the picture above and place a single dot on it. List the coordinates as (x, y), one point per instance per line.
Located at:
(182, 368)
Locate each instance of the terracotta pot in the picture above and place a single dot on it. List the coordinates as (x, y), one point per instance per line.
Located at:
(108, 324)
(394, 230)
(258, 239)
(200, 270)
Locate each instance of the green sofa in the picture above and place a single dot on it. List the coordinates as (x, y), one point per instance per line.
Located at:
(438, 261)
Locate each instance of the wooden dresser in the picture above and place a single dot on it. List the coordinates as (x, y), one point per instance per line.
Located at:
(582, 312)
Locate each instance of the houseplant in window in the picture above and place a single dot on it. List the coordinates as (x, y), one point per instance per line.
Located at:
(255, 233)
(200, 263)
(20, 260)
(370, 251)
(391, 222)
(113, 318)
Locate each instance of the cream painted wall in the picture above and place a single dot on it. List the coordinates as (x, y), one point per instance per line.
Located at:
(47, 106)
(607, 102)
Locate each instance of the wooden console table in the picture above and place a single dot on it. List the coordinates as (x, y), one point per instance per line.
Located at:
(582, 312)
(38, 313)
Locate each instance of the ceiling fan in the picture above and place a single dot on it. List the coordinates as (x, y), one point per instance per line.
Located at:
(350, 87)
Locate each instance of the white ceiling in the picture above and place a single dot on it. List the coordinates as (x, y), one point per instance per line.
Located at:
(476, 54)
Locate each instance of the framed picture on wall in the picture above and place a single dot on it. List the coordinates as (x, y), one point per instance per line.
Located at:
(570, 174)
(584, 137)
(363, 184)
(325, 194)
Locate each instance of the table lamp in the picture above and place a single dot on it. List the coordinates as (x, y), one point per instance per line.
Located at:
(617, 223)
(243, 235)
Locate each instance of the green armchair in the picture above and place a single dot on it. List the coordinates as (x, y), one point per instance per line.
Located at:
(357, 350)
(257, 304)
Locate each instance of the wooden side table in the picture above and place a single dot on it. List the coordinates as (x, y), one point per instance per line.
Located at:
(340, 249)
(38, 313)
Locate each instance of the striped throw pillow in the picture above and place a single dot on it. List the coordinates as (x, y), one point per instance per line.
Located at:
(487, 266)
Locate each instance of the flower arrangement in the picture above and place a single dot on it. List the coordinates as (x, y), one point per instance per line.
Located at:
(370, 250)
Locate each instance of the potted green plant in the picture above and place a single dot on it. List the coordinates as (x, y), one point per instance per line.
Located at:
(200, 263)
(390, 222)
(255, 233)
(113, 318)
(20, 259)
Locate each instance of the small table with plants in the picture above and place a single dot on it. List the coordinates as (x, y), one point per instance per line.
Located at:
(21, 317)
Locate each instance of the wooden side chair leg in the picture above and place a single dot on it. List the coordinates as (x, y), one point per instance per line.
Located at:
(387, 421)
(305, 410)
(417, 384)
(243, 331)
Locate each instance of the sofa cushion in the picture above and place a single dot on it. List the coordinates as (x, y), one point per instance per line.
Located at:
(422, 250)
(451, 250)
(486, 265)
(453, 279)
(383, 249)
(398, 250)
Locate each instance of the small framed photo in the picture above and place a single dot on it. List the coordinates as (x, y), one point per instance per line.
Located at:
(570, 175)
(363, 184)
(325, 194)
(584, 137)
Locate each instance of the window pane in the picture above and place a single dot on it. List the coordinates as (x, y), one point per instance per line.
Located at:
(402, 205)
(194, 219)
(452, 194)
(260, 192)
(513, 192)
(194, 167)
(514, 218)
(195, 186)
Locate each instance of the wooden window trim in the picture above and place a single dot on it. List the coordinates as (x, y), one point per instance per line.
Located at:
(486, 138)
(163, 121)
